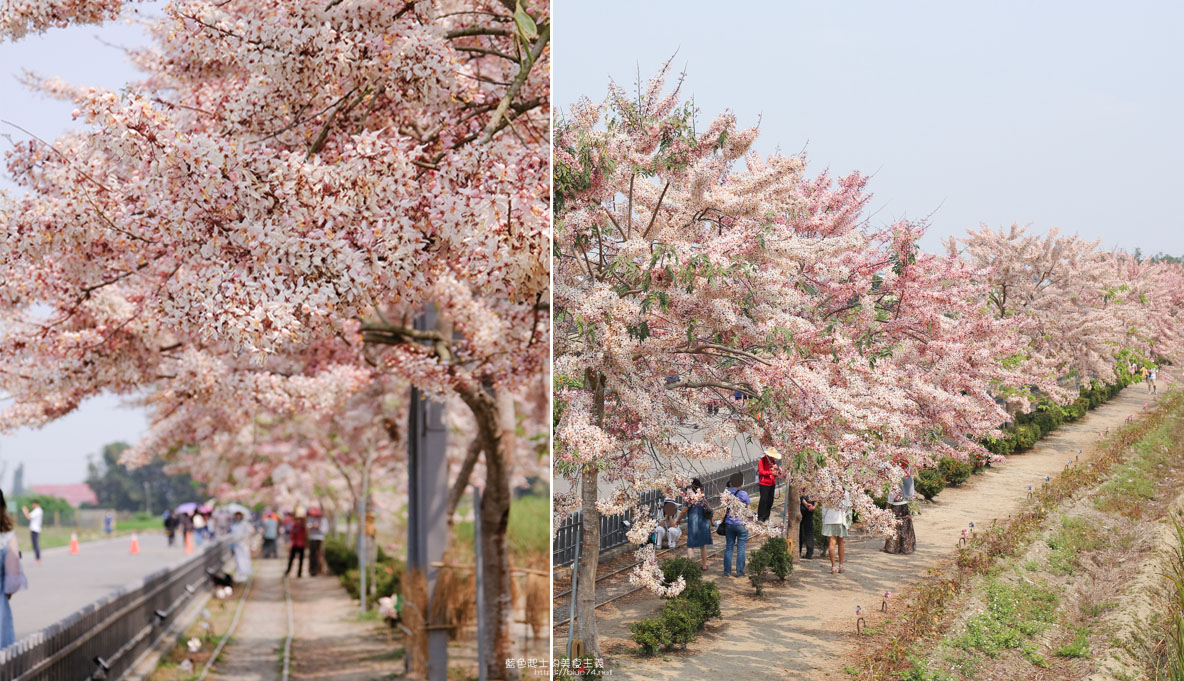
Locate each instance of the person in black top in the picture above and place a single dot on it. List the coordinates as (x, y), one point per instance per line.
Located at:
(806, 529)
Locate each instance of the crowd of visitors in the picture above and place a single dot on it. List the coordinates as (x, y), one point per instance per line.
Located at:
(835, 521)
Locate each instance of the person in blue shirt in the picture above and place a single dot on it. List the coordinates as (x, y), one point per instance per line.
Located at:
(271, 532)
(735, 533)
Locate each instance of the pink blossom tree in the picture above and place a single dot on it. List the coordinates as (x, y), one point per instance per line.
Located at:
(262, 217)
(684, 277)
(1075, 307)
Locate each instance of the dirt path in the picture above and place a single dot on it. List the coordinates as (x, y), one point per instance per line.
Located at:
(330, 643)
(806, 629)
(255, 648)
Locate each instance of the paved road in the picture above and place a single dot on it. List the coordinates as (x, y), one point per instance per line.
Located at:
(64, 583)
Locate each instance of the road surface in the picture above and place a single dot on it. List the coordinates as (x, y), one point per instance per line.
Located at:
(64, 583)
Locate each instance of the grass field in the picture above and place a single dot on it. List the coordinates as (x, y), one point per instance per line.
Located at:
(528, 534)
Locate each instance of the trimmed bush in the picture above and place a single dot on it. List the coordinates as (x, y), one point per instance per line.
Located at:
(1026, 436)
(954, 472)
(929, 483)
(683, 567)
(339, 556)
(780, 560)
(706, 594)
(683, 618)
(1000, 445)
(683, 615)
(757, 565)
(772, 556)
(651, 634)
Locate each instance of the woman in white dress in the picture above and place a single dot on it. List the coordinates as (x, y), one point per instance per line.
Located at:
(240, 534)
(834, 528)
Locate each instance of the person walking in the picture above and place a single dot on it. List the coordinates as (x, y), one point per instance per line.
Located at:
(316, 539)
(834, 527)
(12, 579)
(186, 523)
(271, 533)
(735, 532)
(298, 540)
(35, 517)
(1152, 388)
(806, 527)
(768, 472)
(199, 527)
(108, 524)
(170, 526)
(698, 515)
(240, 535)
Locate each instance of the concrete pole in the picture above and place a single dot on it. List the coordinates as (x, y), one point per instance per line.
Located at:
(427, 529)
(479, 576)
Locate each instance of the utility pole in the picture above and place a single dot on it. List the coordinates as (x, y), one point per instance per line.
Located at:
(427, 529)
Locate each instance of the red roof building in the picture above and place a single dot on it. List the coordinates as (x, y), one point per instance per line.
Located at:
(75, 495)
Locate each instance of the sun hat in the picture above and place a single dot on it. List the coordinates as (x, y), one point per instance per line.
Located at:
(772, 453)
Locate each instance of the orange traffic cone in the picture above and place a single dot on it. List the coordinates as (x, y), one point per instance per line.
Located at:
(74, 543)
(135, 544)
(189, 543)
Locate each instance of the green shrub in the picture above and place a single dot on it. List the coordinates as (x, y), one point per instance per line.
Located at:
(339, 556)
(651, 635)
(682, 618)
(388, 577)
(929, 483)
(1000, 445)
(1026, 436)
(706, 594)
(757, 565)
(351, 579)
(780, 560)
(683, 567)
(954, 472)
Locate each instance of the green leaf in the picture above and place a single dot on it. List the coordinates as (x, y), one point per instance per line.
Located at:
(526, 26)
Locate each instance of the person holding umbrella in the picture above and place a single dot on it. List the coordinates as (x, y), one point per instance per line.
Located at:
(185, 520)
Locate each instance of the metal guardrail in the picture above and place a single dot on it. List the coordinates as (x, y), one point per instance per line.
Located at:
(104, 639)
(614, 527)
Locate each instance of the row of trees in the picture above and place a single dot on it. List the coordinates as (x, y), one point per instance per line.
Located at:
(144, 488)
(243, 239)
(689, 269)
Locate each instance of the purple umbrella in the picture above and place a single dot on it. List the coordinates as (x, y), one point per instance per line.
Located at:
(189, 507)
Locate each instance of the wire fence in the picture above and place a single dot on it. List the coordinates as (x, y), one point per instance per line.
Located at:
(104, 639)
(614, 527)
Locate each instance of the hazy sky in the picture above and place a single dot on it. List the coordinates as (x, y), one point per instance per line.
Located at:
(1065, 114)
(57, 453)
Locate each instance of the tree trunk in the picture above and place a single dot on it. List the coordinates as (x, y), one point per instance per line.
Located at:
(793, 499)
(584, 600)
(498, 444)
